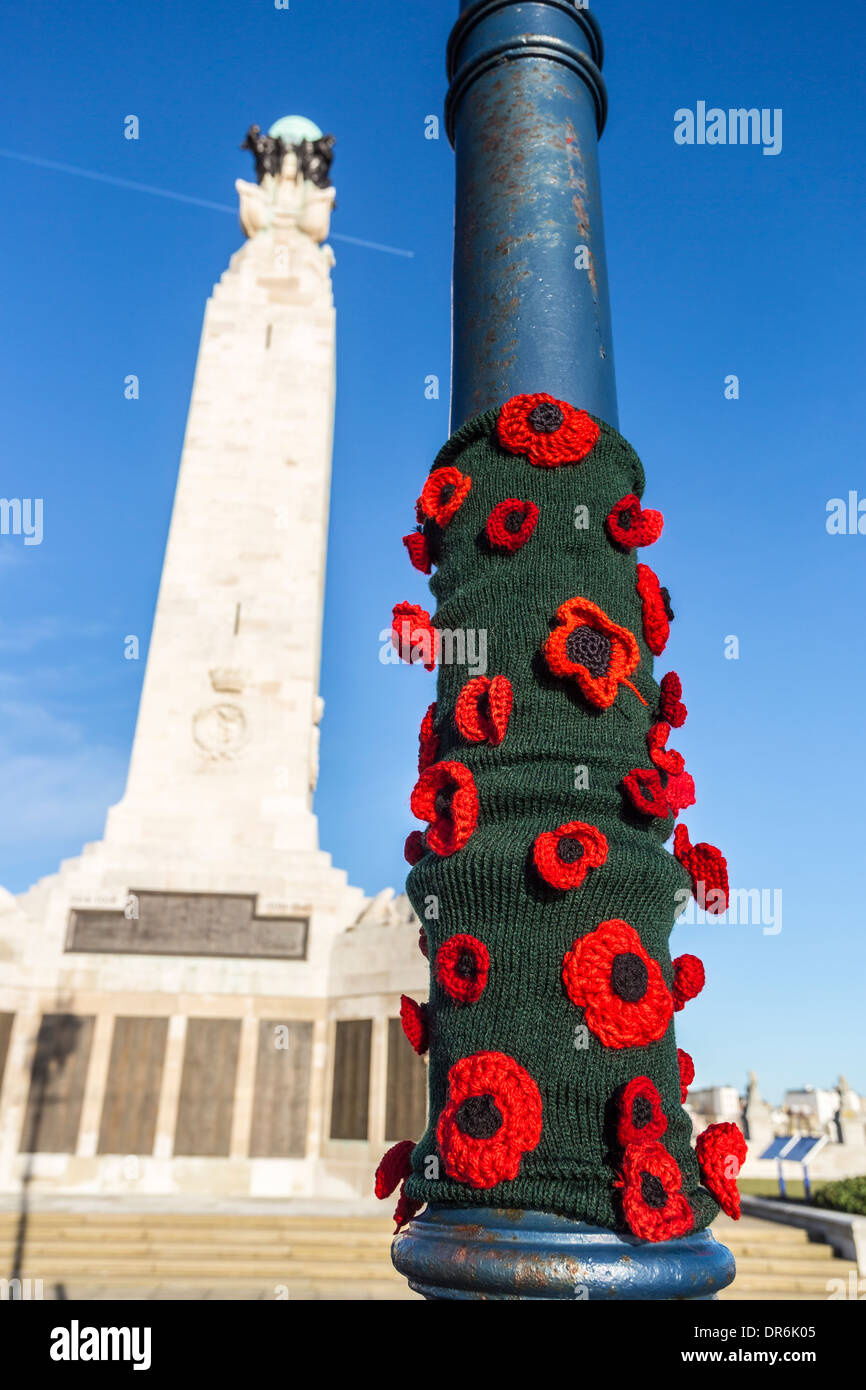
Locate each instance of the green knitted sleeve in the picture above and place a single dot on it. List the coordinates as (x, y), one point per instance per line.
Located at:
(547, 789)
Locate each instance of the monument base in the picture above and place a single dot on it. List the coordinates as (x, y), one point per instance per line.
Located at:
(491, 1253)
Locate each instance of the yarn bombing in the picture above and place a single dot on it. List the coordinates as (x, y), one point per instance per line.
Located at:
(547, 791)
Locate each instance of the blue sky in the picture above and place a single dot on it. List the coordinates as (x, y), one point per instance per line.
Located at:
(722, 261)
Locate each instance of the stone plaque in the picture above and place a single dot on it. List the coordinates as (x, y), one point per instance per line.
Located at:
(188, 924)
(207, 1087)
(279, 1128)
(350, 1098)
(57, 1076)
(129, 1109)
(406, 1087)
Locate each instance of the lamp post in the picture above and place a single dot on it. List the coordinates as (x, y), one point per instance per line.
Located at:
(525, 107)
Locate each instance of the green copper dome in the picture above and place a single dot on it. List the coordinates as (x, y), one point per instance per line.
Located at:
(293, 129)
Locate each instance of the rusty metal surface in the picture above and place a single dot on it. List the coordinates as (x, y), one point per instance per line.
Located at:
(525, 105)
(448, 1253)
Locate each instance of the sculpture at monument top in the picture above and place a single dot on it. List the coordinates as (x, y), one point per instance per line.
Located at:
(314, 152)
(266, 150)
(293, 189)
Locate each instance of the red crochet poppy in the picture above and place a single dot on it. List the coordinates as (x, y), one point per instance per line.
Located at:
(462, 966)
(511, 523)
(484, 708)
(406, 1208)
(548, 431)
(415, 847)
(671, 707)
(492, 1118)
(665, 758)
(707, 868)
(689, 980)
(621, 988)
(419, 551)
(646, 792)
(428, 739)
(721, 1151)
(393, 1167)
(564, 856)
(414, 636)
(657, 613)
(687, 1073)
(680, 792)
(591, 649)
(422, 943)
(629, 525)
(652, 1199)
(445, 796)
(444, 493)
(413, 1017)
(640, 1115)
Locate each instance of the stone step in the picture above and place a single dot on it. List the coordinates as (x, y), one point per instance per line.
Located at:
(767, 1263)
(54, 1252)
(734, 1294)
(782, 1250)
(370, 1291)
(94, 1265)
(783, 1282)
(222, 1244)
(188, 1220)
(734, 1232)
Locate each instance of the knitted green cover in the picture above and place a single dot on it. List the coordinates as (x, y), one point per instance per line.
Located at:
(545, 890)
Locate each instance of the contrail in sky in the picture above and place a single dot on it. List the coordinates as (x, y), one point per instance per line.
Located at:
(176, 197)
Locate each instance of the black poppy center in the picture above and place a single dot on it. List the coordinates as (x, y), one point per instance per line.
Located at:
(570, 850)
(652, 1190)
(443, 801)
(629, 977)
(546, 418)
(646, 792)
(514, 521)
(590, 648)
(627, 519)
(479, 1118)
(466, 965)
(446, 493)
(666, 600)
(641, 1112)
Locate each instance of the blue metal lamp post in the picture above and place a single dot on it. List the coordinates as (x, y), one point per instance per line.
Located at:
(525, 108)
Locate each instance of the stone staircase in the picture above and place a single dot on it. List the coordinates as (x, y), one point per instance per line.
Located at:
(779, 1262)
(173, 1255)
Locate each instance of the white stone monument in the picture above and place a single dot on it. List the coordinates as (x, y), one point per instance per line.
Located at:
(201, 947)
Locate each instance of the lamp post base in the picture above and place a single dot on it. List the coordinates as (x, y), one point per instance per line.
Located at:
(491, 1253)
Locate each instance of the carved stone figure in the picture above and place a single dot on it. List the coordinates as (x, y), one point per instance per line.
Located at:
(267, 151)
(315, 158)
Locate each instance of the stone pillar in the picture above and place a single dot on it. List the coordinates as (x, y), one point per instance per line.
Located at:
(225, 748)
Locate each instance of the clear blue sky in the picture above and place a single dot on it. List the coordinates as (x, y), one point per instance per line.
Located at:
(722, 261)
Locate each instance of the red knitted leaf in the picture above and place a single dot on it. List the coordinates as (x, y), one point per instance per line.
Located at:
(394, 1166)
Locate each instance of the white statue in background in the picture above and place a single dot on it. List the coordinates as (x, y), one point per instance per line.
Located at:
(294, 190)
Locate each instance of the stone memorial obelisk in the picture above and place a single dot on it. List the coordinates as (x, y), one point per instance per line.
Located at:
(192, 989)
